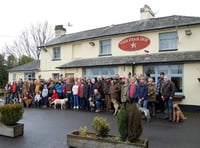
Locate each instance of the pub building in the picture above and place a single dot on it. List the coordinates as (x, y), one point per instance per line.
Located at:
(148, 46)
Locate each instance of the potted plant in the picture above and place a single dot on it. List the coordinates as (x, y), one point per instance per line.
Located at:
(10, 114)
(129, 132)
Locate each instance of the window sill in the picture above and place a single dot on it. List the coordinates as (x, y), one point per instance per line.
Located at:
(168, 50)
(56, 59)
(101, 55)
(178, 97)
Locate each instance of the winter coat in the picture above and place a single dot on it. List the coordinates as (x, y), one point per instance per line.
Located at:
(168, 90)
(124, 95)
(142, 91)
(152, 92)
(114, 91)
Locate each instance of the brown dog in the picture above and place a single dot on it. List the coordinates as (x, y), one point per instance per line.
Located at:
(28, 102)
(177, 114)
(116, 106)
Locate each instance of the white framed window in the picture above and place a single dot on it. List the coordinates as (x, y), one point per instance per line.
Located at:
(168, 41)
(93, 72)
(55, 75)
(174, 72)
(14, 77)
(29, 76)
(56, 53)
(105, 47)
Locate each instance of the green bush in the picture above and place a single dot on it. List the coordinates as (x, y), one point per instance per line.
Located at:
(134, 122)
(10, 114)
(122, 123)
(101, 126)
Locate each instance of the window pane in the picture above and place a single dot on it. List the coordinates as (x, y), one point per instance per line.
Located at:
(29, 76)
(163, 68)
(55, 75)
(95, 71)
(178, 83)
(113, 71)
(56, 53)
(168, 41)
(105, 46)
(104, 71)
(176, 69)
(149, 70)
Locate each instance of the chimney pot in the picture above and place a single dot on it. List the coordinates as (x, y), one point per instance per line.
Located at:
(146, 12)
(59, 30)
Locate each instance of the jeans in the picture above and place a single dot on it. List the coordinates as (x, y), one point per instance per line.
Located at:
(169, 105)
(98, 105)
(45, 100)
(70, 100)
(7, 100)
(151, 104)
(76, 103)
(82, 102)
(143, 103)
(37, 104)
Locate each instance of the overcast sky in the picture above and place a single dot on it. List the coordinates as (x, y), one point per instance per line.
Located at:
(16, 15)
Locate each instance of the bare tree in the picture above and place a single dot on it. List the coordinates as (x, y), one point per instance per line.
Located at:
(28, 41)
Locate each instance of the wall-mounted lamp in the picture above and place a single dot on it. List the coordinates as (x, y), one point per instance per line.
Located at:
(92, 43)
(146, 51)
(198, 79)
(188, 32)
(40, 48)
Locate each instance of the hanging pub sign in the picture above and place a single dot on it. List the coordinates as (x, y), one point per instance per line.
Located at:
(134, 43)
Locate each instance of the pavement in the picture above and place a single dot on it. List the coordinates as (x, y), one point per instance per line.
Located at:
(47, 128)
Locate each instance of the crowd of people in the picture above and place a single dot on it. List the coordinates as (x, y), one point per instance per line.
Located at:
(96, 94)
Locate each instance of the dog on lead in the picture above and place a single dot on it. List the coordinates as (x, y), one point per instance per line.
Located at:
(62, 103)
(145, 113)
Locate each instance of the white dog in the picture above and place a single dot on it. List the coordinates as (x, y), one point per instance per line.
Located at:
(62, 103)
(145, 112)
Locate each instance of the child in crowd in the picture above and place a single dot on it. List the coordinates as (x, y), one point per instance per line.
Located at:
(45, 96)
(75, 95)
(37, 99)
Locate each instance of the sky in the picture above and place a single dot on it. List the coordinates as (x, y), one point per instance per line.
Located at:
(16, 15)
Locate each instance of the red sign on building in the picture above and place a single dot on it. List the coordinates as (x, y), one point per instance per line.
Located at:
(134, 43)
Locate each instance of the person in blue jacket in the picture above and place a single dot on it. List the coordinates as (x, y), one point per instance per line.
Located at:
(142, 92)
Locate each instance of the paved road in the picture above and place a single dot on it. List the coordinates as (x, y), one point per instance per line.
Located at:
(47, 128)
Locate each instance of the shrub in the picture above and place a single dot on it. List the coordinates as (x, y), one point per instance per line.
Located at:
(101, 126)
(83, 131)
(122, 123)
(134, 122)
(10, 114)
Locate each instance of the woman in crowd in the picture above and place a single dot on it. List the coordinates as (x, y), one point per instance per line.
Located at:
(152, 96)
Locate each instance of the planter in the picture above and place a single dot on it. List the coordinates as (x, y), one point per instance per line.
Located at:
(12, 130)
(91, 140)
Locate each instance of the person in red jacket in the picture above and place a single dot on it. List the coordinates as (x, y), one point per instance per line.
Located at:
(53, 97)
(14, 94)
(81, 97)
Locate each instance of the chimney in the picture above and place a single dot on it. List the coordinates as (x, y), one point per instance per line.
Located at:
(146, 12)
(59, 30)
